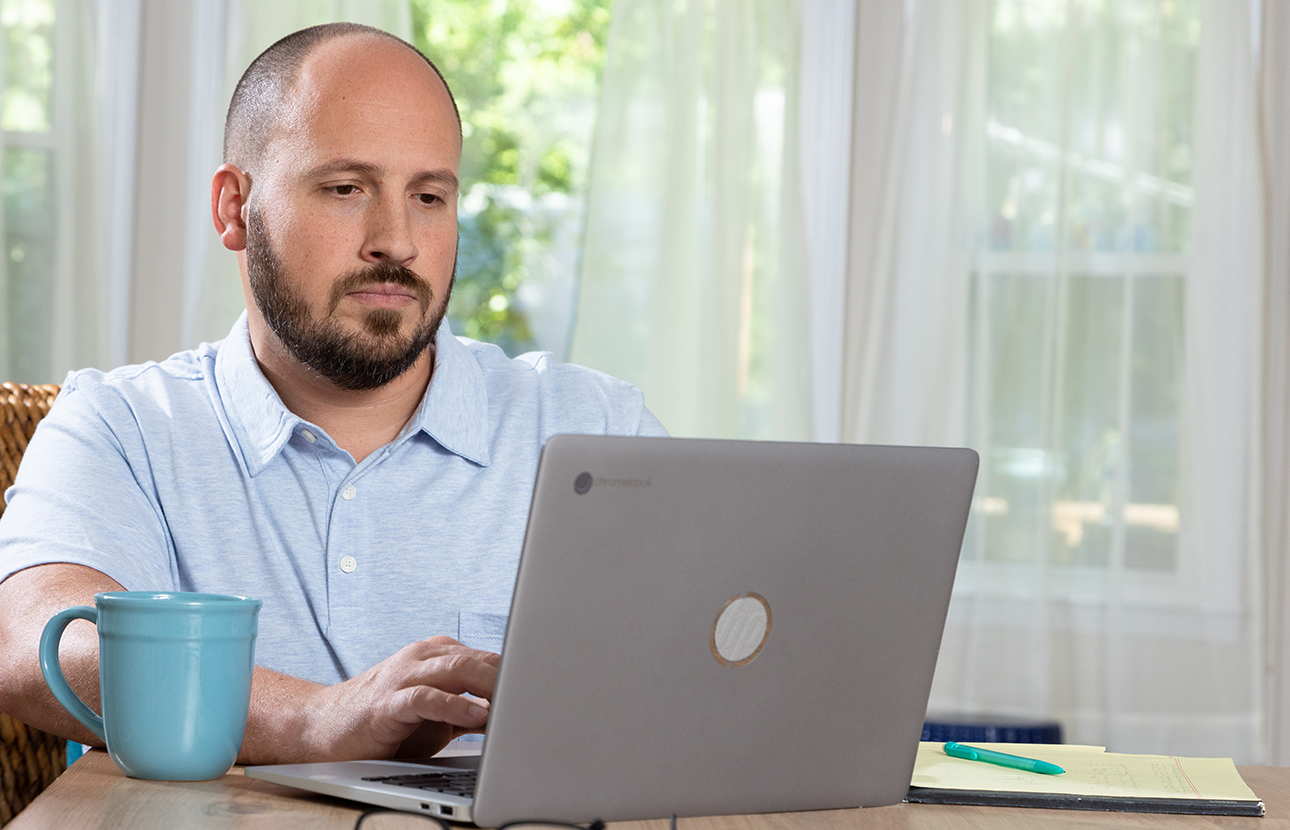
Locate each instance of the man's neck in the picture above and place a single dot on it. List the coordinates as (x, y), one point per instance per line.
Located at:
(359, 421)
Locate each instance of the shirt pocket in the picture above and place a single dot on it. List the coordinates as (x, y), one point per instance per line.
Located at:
(482, 631)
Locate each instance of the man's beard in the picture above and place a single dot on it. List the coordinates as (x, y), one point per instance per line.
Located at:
(352, 360)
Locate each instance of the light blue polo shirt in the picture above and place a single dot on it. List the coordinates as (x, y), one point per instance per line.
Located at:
(191, 475)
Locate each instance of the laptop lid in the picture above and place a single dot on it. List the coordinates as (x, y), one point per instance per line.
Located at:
(706, 627)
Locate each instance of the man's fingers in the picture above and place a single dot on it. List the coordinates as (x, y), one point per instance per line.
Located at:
(428, 703)
(457, 672)
(441, 646)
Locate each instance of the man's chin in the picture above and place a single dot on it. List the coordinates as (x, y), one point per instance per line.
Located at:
(358, 359)
(379, 324)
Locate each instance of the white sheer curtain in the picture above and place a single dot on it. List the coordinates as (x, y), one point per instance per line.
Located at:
(64, 270)
(1045, 282)
(918, 87)
(1275, 105)
(692, 281)
(1223, 447)
(126, 267)
(828, 69)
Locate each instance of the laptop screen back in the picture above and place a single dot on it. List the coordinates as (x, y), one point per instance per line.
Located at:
(706, 627)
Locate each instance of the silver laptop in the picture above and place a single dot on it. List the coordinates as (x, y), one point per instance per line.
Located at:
(704, 627)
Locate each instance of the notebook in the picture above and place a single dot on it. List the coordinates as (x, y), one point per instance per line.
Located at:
(704, 627)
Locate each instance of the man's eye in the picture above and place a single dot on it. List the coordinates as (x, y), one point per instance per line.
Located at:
(344, 189)
(428, 198)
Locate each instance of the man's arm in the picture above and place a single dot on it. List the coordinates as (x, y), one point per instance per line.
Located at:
(28, 599)
(411, 703)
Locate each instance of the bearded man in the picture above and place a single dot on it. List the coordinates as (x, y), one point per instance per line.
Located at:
(340, 454)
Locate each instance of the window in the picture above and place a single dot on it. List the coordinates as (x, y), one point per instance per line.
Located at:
(1078, 285)
(525, 75)
(28, 221)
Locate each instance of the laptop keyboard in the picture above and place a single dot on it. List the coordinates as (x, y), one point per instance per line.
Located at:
(453, 782)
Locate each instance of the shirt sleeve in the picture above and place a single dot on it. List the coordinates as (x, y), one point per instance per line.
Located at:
(82, 494)
(650, 425)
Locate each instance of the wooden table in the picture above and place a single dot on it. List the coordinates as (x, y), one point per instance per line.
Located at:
(94, 794)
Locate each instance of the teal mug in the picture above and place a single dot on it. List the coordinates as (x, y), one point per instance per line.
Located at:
(174, 676)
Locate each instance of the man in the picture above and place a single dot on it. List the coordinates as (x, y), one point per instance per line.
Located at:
(339, 455)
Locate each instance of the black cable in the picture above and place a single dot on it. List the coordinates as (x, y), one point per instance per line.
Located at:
(595, 825)
(372, 811)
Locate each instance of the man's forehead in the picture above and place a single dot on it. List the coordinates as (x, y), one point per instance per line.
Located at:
(360, 56)
(365, 91)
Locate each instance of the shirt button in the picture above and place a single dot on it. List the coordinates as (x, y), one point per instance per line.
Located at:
(308, 436)
(349, 492)
(348, 564)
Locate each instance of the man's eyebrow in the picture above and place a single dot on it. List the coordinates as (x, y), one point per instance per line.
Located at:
(332, 168)
(445, 178)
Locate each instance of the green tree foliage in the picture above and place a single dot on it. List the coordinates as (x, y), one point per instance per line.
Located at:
(28, 64)
(525, 74)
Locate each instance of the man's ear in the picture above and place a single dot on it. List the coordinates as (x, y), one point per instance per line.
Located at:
(230, 189)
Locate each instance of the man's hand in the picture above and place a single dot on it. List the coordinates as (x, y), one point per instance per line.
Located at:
(411, 704)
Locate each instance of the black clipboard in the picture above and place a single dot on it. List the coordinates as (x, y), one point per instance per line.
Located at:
(1061, 801)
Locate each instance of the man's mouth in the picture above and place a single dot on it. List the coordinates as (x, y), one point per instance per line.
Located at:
(383, 294)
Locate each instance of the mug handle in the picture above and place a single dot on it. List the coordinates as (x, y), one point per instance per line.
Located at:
(53, 672)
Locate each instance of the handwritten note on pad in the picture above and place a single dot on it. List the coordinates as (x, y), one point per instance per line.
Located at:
(1094, 780)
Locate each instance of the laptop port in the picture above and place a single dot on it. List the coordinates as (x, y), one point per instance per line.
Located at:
(445, 810)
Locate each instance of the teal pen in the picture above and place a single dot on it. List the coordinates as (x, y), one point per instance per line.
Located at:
(1003, 759)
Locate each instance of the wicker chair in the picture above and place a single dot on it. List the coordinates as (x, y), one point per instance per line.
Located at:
(29, 758)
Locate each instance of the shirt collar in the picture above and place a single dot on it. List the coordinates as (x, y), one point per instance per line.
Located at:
(260, 422)
(454, 411)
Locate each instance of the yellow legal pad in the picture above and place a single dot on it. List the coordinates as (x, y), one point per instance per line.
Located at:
(1094, 780)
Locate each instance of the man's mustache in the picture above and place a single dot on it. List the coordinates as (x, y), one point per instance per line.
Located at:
(386, 272)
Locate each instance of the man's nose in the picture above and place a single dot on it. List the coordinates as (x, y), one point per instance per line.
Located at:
(389, 235)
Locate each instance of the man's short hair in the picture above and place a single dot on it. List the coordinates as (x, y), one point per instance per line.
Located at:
(257, 100)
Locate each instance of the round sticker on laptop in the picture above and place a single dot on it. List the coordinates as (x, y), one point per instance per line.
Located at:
(741, 629)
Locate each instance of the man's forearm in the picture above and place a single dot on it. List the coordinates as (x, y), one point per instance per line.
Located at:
(414, 701)
(276, 729)
(278, 726)
(29, 598)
